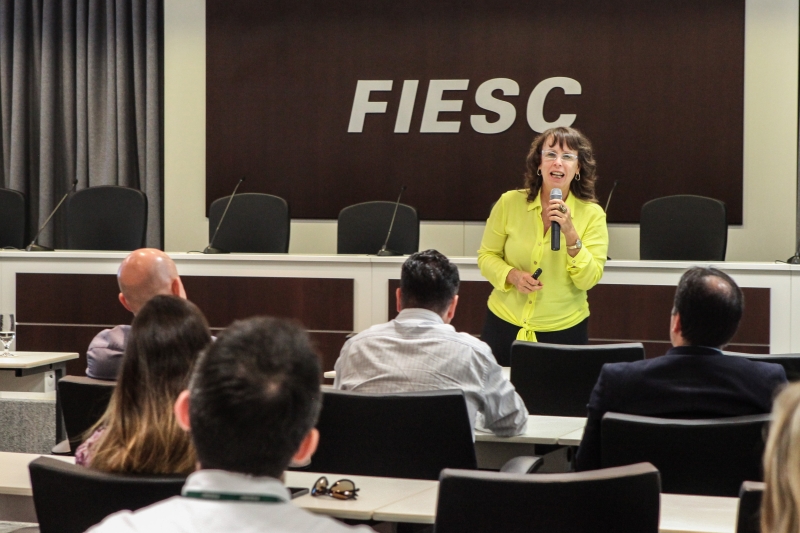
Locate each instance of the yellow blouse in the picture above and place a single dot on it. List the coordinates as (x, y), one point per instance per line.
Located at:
(514, 238)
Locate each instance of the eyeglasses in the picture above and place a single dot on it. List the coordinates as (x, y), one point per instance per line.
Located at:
(344, 489)
(566, 158)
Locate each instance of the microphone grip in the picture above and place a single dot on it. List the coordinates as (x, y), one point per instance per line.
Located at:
(555, 236)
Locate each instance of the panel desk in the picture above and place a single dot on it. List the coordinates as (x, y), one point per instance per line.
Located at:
(63, 298)
(383, 499)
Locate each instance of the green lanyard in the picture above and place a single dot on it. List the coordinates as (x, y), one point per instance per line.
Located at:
(233, 497)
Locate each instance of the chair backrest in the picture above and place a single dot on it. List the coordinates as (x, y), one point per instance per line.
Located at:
(748, 519)
(12, 218)
(362, 228)
(683, 228)
(256, 223)
(789, 361)
(613, 500)
(557, 380)
(83, 402)
(107, 217)
(70, 498)
(707, 456)
(406, 435)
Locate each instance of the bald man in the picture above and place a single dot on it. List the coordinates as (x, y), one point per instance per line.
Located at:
(143, 274)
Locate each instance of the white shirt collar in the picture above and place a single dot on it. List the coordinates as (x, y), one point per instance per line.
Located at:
(233, 482)
(418, 313)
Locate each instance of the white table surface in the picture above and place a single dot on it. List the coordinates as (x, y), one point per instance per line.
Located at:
(680, 513)
(34, 359)
(540, 430)
(571, 439)
(376, 492)
(14, 477)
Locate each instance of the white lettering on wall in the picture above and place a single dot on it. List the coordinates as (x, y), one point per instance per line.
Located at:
(536, 103)
(485, 100)
(362, 105)
(435, 105)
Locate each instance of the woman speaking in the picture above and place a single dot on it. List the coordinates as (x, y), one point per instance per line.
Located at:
(551, 307)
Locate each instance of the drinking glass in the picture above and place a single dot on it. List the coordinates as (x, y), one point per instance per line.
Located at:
(8, 331)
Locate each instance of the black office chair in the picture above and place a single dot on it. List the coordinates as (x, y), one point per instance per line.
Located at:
(406, 435)
(789, 361)
(70, 498)
(107, 217)
(708, 456)
(557, 379)
(748, 519)
(83, 401)
(620, 500)
(12, 219)
(683, 228)
(362, 228)
(256, 223)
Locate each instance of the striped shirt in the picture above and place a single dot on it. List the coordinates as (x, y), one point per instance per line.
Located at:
(416, 352)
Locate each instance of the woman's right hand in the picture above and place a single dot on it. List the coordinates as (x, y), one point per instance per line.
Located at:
(523, 281)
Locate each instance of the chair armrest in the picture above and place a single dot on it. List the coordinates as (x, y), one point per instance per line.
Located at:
(62, 448)
(524, 464)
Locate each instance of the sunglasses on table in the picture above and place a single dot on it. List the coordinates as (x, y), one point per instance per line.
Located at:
(344, 489)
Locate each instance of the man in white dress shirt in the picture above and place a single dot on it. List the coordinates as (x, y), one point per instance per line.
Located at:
(251, 407)
(420, 351)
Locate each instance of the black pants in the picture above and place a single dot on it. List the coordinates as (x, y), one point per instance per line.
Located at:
(499, 335)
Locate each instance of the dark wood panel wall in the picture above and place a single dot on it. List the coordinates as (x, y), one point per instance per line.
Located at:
(662, 99)
(623, 313)
(63, 312)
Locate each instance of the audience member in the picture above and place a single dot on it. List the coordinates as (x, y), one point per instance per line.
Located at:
(138, 432)
(251, 408)
(419, 350)
(143, 274)
(694, 379)
(780, 505)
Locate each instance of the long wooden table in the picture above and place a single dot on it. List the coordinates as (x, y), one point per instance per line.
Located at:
(384, 499)
(63, 298)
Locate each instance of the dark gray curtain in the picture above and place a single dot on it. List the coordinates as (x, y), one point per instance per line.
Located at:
(80, 98)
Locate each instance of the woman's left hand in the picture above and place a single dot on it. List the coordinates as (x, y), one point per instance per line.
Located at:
(559, 212)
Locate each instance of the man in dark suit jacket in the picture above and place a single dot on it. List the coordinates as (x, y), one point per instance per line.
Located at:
(694, 379)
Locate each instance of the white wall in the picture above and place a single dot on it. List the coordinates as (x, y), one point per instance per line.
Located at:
(770, 146)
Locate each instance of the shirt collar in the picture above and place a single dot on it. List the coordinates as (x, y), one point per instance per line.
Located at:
(222, 481)
(418, 313)
(537, 202)
(694, 350)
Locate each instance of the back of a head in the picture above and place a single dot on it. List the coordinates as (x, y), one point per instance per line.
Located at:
(780, 505)
(710, 305)
(145, 273)
(428, 280)
(141, 432)
(254, 396)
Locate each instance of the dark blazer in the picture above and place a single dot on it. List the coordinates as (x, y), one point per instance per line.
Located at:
(687, 382)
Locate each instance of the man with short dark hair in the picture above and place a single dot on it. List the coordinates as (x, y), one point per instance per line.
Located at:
(420, 351)
(694, 379)
(251, 407)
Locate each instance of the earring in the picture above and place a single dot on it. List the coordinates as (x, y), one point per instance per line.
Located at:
(539, 172)
(577, 176)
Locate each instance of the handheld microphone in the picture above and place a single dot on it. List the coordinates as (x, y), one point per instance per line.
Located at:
(210, 248)
(33, 247)
(555, 227)
(384, 252)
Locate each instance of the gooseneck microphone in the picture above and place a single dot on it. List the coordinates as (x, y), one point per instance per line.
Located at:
(210, 248)
(555, 227)
(33, 247)
(608, 201)
(384, 252)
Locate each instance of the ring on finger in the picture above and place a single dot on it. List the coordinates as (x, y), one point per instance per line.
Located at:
(562, 208)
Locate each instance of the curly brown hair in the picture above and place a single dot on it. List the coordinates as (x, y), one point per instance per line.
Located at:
(574, 140)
